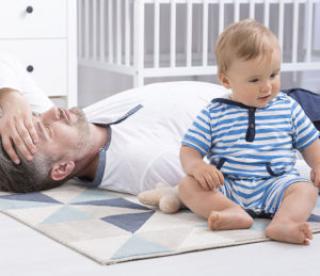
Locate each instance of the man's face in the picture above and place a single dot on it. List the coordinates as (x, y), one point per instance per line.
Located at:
(62, 133)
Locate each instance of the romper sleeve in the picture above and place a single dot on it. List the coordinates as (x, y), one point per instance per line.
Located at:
(304, 132)
(198, 136)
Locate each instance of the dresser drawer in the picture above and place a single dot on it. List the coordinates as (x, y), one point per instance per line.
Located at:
(45, 60)
(33, 18)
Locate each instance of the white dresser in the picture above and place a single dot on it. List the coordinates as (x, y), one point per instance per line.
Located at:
(43, 35)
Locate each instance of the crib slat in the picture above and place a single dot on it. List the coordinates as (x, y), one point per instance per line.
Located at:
(110, 30)
(156, 33)
(252, 9)
(266, 13)
(94, 29)
(172, 34)
(221, 17)
(205, 33)
(236, 15)
(189, 33)
(102, 30)
(281, 23)
(86, 29)
(119, 31)
(80, 28)
(309, 19)
(138, 42)
(295, 25)
(127, 33)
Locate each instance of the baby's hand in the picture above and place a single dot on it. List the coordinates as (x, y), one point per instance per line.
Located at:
(315, 176)
(208, 176)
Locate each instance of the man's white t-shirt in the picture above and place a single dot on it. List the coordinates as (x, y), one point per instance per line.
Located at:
(144, 147)
(14, 76)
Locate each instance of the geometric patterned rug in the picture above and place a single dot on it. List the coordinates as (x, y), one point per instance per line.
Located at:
(111, 227)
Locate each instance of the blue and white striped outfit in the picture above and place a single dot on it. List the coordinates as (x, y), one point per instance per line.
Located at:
(253, 147)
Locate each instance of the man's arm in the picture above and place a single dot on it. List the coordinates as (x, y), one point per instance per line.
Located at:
(16, 127)
(312, 156)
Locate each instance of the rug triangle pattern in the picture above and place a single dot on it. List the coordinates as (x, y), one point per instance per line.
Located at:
(129, 222)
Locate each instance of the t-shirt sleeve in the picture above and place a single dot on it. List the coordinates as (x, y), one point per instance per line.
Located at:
(304, 132)
(8, 75)
(14, 76)
(198, 135)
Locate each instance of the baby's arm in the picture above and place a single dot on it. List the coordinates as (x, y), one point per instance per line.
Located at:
(208, 176)
(312, 156)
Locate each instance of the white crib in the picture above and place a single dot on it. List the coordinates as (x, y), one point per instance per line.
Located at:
(175, 38)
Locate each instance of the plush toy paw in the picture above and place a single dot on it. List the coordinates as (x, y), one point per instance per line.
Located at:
(163, 197)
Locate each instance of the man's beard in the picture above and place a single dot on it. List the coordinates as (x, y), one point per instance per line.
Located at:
(82, 126)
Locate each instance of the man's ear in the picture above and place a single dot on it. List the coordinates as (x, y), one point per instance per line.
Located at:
(61, 169)
(224, 80)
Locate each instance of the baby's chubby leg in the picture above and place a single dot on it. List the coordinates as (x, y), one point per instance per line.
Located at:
(222, 213)
(289, 223)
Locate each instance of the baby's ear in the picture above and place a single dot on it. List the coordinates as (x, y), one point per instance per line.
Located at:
(62, 169)
(224, 80)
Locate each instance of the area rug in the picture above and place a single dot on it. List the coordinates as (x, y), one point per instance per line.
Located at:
(110, 227)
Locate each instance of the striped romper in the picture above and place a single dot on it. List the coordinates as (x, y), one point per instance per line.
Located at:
(254, 148)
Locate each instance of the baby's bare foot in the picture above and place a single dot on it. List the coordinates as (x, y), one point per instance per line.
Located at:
(290, 232)
(232, 218)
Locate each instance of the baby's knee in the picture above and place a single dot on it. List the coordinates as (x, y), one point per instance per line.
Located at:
(304, 188)
(313, 192)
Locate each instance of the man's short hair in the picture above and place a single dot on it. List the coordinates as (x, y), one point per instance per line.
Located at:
(28, 176)
(246, 39)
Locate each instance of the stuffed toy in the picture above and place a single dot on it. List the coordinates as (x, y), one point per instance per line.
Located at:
(164, 197)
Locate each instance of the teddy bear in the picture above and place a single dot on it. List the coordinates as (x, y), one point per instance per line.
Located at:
(164, 197)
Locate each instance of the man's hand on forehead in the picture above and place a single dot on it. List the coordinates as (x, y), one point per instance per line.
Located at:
(16, 126)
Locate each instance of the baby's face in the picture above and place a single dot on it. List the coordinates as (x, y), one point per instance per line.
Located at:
(254, 82)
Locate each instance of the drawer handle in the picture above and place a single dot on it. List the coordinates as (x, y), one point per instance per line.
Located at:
(29, 9)
(30, 68)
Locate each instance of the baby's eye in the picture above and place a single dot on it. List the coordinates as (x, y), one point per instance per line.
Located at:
(272, 76)
(254, 80)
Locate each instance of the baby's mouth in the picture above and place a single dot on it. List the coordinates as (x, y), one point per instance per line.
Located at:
(264, 97)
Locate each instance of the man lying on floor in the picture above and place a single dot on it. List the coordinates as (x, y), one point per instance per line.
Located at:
(126, 143)
(129, 142)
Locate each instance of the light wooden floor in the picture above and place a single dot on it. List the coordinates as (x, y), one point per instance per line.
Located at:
(24, 251)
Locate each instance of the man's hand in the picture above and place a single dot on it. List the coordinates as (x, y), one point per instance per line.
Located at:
(16, 126)
(208, 176)
(315, 176)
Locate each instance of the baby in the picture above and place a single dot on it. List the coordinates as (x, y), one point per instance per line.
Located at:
(250, 140)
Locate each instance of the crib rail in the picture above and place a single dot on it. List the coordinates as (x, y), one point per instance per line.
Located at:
(159, 38)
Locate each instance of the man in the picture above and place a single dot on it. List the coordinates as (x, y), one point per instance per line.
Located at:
(129, 143)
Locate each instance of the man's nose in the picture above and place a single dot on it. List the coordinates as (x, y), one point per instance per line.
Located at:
(50, 116)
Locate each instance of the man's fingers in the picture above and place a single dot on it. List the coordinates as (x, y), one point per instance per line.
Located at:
(8, 147)
(26, 137)
(20, 145)
(32, 131)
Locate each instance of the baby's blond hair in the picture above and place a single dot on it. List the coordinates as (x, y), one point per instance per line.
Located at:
(246, 39)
